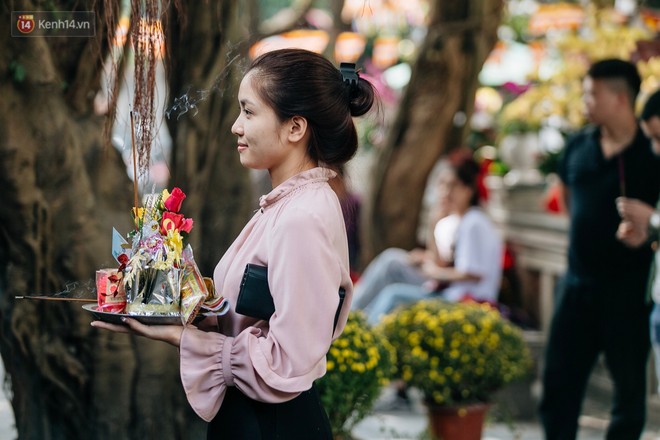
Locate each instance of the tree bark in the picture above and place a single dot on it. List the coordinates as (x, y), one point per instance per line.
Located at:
(61, 192)
(431, 120)
(206, 162)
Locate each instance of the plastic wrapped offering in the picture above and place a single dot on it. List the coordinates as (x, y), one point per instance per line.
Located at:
(193, 289)
(155, 292)
(154, 270)
(111, 296)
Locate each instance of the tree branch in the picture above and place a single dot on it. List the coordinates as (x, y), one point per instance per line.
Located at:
(286, 19)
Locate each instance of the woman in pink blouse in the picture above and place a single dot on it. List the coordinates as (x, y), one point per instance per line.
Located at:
(252, 378)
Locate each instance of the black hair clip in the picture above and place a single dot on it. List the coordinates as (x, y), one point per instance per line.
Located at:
(348, 74)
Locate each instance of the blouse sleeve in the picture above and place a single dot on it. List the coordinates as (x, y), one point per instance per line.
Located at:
(201, 370)
(274, 363)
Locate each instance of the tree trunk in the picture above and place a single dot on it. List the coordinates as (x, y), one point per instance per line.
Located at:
(206, 162)
(60, 194)
(431, 118)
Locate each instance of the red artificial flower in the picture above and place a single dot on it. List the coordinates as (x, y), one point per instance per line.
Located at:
(170, 221)
(186, 225)
(123, 261)
(174, 201)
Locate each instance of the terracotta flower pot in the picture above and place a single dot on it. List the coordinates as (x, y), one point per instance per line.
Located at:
(457, 422)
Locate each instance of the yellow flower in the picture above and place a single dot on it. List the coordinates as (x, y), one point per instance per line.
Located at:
(468, 328)
(443, 350)
(164, 196)
(138, 216)
(175, 242)
(559, 96)
(360, 368)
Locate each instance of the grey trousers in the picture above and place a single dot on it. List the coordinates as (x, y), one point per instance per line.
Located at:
(389, 267)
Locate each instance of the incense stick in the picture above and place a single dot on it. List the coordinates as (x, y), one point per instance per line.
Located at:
(135, 176)
(55, 298)
(622, 177)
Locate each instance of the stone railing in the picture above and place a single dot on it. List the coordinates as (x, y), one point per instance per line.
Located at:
(538, 241)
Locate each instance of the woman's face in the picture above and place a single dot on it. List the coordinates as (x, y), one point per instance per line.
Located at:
(261, 135)
(454, 193)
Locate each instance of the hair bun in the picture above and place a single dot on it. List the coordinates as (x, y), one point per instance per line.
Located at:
(361, 97)
(360, 91)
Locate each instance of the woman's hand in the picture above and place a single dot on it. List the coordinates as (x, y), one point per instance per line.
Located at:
(447, 274)
(417, 256)
(432, 270)
(167, 333)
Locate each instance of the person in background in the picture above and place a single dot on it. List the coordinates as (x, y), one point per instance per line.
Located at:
(253, 378)
(350, 206)
(465, 262)
(395, 265)
(601, 307)
(640, 224)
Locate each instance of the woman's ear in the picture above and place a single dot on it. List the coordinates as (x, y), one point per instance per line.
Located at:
(297, 129)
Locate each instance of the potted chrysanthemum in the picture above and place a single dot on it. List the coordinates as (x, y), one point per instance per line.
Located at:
(360, 362)
(457, 355)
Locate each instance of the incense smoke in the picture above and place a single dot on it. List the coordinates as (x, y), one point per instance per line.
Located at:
(188, 102)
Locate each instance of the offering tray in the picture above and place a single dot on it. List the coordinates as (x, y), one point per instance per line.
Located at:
(115, 318)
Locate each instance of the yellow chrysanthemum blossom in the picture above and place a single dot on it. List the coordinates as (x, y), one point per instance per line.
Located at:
(455, 352)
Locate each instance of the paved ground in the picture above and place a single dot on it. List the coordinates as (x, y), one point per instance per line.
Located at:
(411, 424)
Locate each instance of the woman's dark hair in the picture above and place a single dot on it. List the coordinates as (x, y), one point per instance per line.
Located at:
(467, 171)
(296, 82)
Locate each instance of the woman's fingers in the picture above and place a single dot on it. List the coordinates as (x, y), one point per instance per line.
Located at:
(167, 333)
(112, 327)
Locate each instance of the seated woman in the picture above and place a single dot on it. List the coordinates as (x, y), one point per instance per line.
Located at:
(467, 263)
(395, 265)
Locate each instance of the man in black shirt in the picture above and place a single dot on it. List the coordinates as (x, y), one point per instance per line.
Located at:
(640, 225)
(601, 307)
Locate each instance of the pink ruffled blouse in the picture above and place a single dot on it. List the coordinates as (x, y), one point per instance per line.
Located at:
(299, 234)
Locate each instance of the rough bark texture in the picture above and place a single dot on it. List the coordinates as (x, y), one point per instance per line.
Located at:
(460, 37)
(60, 194)
(206, 160)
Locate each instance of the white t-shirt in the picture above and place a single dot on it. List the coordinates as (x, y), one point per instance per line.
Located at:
(444, 234)
(477, 249)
